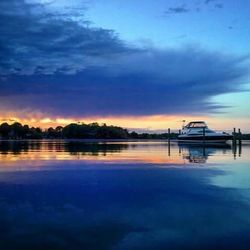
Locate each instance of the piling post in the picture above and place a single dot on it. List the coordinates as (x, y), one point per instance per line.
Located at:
(239, 137)
(169, 152)
(234, 150)
(234, 136)
(203, 134)
(234, 143)
(203, 151)
(169, 141)
(168, 133)
(240, 148)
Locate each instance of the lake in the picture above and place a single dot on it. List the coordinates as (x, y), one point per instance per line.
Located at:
(57, 194)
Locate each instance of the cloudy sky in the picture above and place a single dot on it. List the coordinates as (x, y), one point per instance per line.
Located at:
(139, 64)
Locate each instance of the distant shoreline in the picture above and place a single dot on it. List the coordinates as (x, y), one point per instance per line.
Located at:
(17, 131)
(99, 140)
(74, 131)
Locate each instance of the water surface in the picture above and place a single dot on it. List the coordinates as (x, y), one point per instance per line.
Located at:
(123, 195)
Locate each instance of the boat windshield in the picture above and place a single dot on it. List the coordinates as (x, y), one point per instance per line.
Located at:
(196, 125)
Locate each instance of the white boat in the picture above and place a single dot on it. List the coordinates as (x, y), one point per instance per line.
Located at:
(198, 131)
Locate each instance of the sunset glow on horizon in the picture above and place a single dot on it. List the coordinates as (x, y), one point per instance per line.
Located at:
(154, 124)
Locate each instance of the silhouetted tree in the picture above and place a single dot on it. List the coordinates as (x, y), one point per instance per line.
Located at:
(5, 130)
(75, 131)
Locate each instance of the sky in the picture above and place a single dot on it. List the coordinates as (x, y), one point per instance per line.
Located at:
(143, 65)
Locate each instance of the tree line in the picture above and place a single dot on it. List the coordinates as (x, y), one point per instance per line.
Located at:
(74, 131)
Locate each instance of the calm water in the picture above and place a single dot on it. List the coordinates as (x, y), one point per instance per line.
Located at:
(123, 195)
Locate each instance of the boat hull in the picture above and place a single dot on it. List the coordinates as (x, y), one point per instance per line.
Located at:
(199, 138)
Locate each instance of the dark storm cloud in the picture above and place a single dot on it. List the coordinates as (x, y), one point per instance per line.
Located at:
(65, 68)
(145, 83)
(33, 39)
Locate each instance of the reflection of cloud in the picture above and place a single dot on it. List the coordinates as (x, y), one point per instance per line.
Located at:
(67, 227)
(128, 209)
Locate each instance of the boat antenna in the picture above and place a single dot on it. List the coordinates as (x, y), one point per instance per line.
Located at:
(183, 123)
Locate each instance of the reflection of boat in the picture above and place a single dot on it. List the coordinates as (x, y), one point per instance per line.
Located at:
(199, 153)
(198, 131)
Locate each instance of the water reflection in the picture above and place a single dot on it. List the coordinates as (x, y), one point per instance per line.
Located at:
(73, 147)
(158, 207)
(35, 152)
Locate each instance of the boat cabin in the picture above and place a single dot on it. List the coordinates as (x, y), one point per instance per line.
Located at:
(198, 124)
(195, 128)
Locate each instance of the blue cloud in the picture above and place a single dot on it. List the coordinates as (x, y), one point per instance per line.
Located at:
(177, 9)
(145, 83)
(35, 40)
(65, 68)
